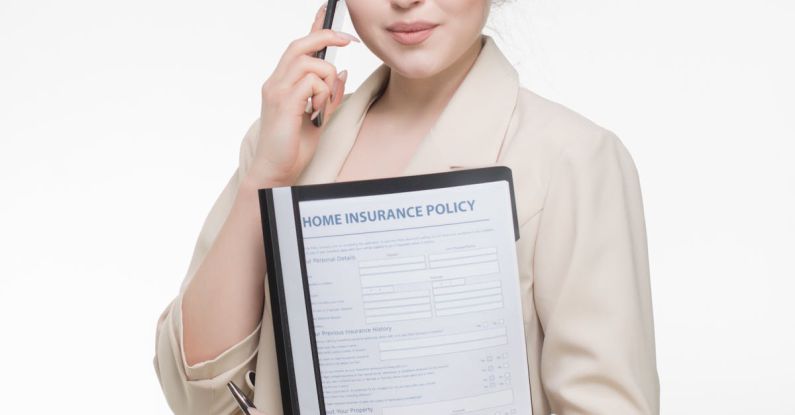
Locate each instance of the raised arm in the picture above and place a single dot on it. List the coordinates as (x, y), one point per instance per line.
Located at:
(209, 333)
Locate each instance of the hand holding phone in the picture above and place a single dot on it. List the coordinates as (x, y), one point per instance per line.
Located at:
(287, 138)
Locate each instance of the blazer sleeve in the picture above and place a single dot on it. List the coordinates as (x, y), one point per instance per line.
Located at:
(201, 388)
(591, 284)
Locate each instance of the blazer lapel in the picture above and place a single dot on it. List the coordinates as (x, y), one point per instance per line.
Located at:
(468, 133)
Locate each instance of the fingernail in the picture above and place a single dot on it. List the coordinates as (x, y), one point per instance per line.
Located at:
(347, 36)
(343, 75)
(314, 115)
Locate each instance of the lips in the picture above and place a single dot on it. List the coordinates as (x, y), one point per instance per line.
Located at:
(411, 33)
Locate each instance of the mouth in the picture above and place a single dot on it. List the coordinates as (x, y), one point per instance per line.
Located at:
(411, 33)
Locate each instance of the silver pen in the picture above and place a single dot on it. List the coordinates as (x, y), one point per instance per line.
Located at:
(242, 400)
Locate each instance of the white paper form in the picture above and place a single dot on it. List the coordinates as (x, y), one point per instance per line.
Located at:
(416, 303)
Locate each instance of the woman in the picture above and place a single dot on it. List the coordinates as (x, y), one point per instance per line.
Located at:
(449, 101)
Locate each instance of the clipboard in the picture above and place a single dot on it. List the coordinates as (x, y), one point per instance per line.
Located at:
(300, 222)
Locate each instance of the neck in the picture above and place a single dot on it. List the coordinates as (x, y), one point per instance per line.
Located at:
(424, 95)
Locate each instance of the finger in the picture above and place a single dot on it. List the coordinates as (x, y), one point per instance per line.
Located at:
(306, 64)
(310, 86)
(307, 46)
(255, 412)
(316, 41)
(319, 17)
(338, 93)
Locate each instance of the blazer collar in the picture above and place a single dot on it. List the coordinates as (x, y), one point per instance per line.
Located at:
(468, 133)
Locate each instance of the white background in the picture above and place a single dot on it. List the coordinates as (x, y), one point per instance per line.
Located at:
(120, 123)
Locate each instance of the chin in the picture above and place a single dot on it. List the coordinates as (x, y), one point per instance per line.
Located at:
(416, 68)
(418, 63)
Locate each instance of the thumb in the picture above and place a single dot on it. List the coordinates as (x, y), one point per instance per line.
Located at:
(339, 91)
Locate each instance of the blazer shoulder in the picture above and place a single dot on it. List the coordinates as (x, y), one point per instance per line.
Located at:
(540, 132)
(539, 121)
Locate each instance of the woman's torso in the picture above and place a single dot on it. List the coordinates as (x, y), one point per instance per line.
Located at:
(555, 155)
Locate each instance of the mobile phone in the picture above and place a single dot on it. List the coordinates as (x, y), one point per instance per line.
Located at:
(336, 10)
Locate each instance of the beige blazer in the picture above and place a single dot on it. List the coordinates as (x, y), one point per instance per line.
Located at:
(582, 250)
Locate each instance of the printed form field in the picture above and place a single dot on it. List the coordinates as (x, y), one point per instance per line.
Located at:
(447, 289)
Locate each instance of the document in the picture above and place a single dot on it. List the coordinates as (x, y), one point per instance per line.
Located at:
(415, 303)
